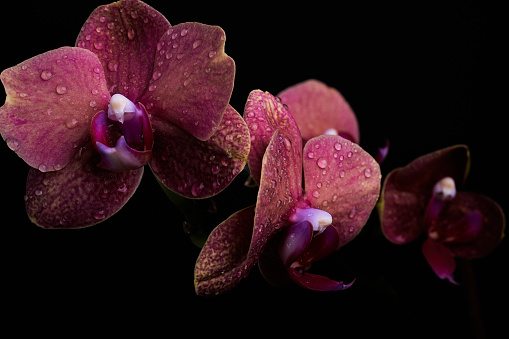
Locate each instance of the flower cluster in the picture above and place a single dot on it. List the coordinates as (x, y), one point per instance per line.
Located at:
(136, 91)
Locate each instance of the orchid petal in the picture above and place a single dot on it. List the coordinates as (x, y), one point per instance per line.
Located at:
(460, 229)
(224, 261)
(51, 99)
(316, 282)
(440, 259)
(124, 36)
(317, 108)
(280, 188)
(192, 80)
(79, 195)
(343, 180)
(295, 242)
(407, 191)
(321, 247)
(200, 169)
(122, 157)
(264, 113)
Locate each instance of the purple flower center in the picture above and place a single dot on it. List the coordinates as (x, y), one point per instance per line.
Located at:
(123, 137)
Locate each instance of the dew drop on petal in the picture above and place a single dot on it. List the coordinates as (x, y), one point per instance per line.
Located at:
(349, 154)
(212, 54)
(196, 44)
(46, 75)
(112, 65)
(61, 89)
(71, 123)
(288, 144)
(367, 172)
(99, 214)
(13, 144)
(131, 34)
(311, 155)
(341, 174)
(352, 213)
(322, 163)
(337, 146)
(98, 45)
(196, 189)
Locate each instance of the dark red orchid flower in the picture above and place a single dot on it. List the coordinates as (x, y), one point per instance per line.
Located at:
(134, 91)
(294, 224)
(423, 198)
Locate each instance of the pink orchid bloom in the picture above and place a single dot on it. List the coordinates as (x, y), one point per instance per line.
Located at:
(423, 197)
(295, 223)
(134, 91)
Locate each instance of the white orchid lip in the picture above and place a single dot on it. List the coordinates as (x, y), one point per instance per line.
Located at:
(118, 106)
(445, 188)
(318, 218)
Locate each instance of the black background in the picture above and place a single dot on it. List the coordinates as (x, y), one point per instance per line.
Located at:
(424, 76)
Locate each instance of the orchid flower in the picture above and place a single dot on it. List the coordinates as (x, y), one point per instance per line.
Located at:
(292, 225)
(423, 197)
(134, 91)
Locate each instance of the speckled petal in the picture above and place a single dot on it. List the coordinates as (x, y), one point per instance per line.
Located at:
(200, 169)
(223, 261)
(192, 80)
(124, 35)
(343, 180)
(407, 190)
(79, 195)
(317, 108)
(264, 113)
(51, 99)
(491, 231)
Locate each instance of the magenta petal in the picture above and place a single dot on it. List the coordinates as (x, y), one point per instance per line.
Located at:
(317, 108)
(200, 169)
(192, 80)
(124, 36)
(407, 191)
(79, 195)
(321, 247)
(316, 282)
(343, 180)
(122, 157)
(264, 113)
(440, 259)
(51, 99)
(459, 225)
(224, 261)
(295, 241)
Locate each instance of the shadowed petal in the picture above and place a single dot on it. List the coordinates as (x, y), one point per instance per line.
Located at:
(124, 35)
(316, 282)
(192, 80)
(316, 108)
(407, 190)
(51, 99)
(440, 259)
(223, 261)
(343, 180)
(200, 169)
(472, 243)
(264, 113)
(79, 195)
(295, 242)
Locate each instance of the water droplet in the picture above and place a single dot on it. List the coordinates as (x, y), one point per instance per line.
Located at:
(196, 189)
(367, 172)
(337, 146)
(61, 89)
(341, 174)
(212, 54)
(98, 45)
(122, 189)
(316, 194)
(215, 169)
(113, 65)
(38, 192)
(322, 163)
(352, 213)
(46, 75)
(311, 155)
(13, 144)
(156, 75)
(104, 193)
(288, 144)
(92, 103)
(349, 154)
(71, 123)
(43, 168)
(99, 214)
(187, 82)
(351, 229)
(196, 44)
(180, 56)
(131, 34)
(152, 88)
(183, 32)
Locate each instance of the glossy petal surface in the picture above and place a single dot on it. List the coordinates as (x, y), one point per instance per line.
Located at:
(200, 169)
(440, 259)
(317, 108)
(491, 231)
(406, 191)
(51, 99)
(192, 80)
(79, 195)
(224, 261)
(343, 180)
(124, 36)
(264, 113)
